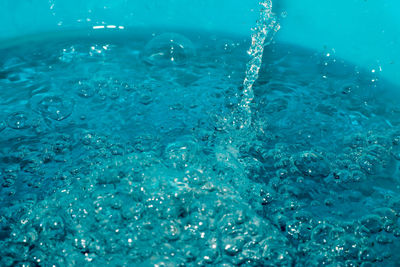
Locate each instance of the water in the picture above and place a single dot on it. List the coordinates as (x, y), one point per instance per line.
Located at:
(123, 149)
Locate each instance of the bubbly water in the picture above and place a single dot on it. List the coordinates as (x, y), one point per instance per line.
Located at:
(124, 149)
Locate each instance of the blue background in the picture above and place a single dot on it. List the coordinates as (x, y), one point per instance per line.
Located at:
(365, 32)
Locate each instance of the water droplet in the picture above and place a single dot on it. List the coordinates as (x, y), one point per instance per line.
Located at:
(55, 107)
(18, 120)
(168, 49)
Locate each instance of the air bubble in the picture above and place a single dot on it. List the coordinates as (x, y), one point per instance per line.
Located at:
(85, 90)
(368, 163)
(312, 164)
(145, 98)
(298, 230)
(171, 231)
(233, 246)
(321, 233)
(168, 49)
(372, 223)
(179, 154)
(18, 120)
(56, 108)
(208, 256)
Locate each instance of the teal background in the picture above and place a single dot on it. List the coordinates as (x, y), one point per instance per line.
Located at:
(365, 32)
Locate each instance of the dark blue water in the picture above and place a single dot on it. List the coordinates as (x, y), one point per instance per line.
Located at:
(127, 150)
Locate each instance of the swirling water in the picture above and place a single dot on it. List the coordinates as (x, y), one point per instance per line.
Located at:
(123, 149)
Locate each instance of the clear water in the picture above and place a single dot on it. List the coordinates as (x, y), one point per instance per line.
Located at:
(124, 149)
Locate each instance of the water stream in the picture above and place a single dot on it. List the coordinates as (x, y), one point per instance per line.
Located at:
(262, 35)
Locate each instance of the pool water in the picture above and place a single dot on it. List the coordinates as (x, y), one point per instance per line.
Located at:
(125, 148)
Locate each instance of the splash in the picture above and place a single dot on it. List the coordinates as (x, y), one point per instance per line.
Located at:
(263, 33)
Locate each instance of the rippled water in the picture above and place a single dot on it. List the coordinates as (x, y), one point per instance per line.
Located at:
(124, 149)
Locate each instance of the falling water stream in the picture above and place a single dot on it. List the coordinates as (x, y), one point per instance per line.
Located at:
(263, 33)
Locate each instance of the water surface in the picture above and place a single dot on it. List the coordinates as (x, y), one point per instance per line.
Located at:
(126, 149)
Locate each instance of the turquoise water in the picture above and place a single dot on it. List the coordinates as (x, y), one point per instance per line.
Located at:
(126, 150)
